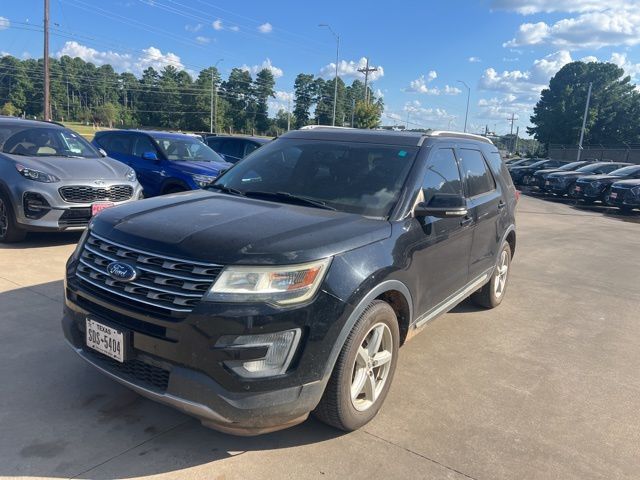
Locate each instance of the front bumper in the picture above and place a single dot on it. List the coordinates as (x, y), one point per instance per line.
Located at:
(623, 198)
(176, 361)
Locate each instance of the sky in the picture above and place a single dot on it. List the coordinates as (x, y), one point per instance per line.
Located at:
(425, 51)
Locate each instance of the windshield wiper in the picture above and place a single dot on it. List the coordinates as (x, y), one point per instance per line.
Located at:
(310, 202)
(225, 189)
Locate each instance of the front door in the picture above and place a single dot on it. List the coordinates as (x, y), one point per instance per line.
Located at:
(440, 245)
(150, 173)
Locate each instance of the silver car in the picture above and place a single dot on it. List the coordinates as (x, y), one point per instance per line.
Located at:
(53, 179)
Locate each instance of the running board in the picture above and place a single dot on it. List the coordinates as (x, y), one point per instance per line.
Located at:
(451, 302)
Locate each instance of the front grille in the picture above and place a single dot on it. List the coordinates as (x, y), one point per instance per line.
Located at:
(135, 371)
(86, 194)
(75, 217)
(164, 285)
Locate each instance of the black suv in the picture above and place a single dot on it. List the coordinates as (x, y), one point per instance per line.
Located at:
(288, 285)
(234, 148)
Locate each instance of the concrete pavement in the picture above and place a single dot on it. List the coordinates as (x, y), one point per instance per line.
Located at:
(546, 386)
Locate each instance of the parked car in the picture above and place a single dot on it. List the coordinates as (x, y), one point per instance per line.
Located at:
(523, 175)
(625, 195)
(596, 187)
(523, 162)
(233, 149)
(540, 176)
(52, 179)
(288, 285)
(164, 162)
(563, 183)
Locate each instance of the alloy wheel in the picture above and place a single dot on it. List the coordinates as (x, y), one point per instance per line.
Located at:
(371, 367)
(502, 270)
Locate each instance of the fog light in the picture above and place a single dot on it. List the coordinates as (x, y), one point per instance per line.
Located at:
(35, 205)
(281, 347)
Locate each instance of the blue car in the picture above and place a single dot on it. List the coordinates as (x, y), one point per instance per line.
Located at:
(164, 162)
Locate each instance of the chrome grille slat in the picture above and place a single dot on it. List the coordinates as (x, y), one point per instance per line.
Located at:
(88, 194)
(170, 284)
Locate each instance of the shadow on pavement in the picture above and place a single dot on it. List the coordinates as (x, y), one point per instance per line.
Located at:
(44, 239)
(59, 417)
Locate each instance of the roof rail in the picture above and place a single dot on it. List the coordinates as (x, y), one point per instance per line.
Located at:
(312, 127)
(468, 136)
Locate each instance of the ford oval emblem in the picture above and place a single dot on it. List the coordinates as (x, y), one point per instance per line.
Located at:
(122, 272)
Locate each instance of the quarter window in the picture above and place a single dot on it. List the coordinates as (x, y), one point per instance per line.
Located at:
(442, 175)
(476, 172)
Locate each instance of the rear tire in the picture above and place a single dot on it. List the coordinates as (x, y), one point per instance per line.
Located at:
(364, 370)
(491, 295)
(10, 232)
(173, 189)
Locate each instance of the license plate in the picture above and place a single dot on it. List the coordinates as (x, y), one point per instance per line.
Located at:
(613, 195)
(104, 339)
(98, 207)
(547, 183)
(578, 189)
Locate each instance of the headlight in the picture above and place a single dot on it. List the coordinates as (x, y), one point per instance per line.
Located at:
(279, 349)
(636, 191)
(596, 185)
(203, 180)
(36, 175)
(282, 285)
(131, 175)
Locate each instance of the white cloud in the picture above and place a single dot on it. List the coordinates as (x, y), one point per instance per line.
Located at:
(349, 69)
(427, 117)
(122, 62)
(202, 40)
(475, 60)
(448, 90)
(630, 68)
(217, 24)
(283, 101)
(593, 29)
(193, 28)
(265, 28)
(544, 68)
(420, 85)
(277, 72)
(4, 23)
(529, 7)
(589, 58)
(432, 75)
(234, 28)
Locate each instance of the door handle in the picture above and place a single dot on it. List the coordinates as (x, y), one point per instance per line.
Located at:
(467, 220)
(501, 205)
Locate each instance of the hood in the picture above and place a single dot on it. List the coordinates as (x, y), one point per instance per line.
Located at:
(547, 171)
(201, 168)
(66, 168)
(225, 229)
(562, 174)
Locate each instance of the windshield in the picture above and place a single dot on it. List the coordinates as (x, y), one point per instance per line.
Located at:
(525, 163)
(572, 166)
(625, 171)
(357, 178)
(44, 142)
(539, 163)
(186, 149)
(594, 167)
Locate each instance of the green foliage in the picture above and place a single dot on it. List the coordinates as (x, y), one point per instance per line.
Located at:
(366, 116)
(614, 109)
(9, 109)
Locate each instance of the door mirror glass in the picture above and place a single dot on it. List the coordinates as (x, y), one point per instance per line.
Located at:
(442, 205)
(152, 156)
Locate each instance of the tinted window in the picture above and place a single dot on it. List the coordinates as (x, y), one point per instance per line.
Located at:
(141, 145)
(479, 179)
(214, 143)
(116, 143)
(442, 175)
(351, 177)
(627, 171)
(232, 148)
(250, 147)
(186, 149)
(609, 168)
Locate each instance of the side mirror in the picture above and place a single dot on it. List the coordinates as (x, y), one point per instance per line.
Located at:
(442, 205)
(151, 156)
(102, 152)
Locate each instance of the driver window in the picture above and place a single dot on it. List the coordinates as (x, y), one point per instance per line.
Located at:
(142, 145)
(442, 175)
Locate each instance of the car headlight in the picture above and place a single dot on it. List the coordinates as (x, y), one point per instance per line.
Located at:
(131, 175)
(278, 350)
(636, 191)
(203, 180)
(597, 185)
(279, 285)
(36, 175)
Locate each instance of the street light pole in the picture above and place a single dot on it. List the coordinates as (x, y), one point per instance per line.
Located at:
(46, 95)
(214, 120)
(466, 115)
(584, 122)
(335, 82)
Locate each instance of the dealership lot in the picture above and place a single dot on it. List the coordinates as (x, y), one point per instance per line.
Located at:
(545, 386)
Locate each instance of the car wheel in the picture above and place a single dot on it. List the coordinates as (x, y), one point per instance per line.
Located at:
(364, 370)
(9, 230)
(491, 295)
(173, 189)
(626, 209)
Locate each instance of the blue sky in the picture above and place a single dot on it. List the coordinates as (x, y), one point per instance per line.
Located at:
(505, 50)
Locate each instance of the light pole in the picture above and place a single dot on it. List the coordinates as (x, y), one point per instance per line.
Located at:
(212, 119)
(466, 115)
(335, 86)
(584, 122)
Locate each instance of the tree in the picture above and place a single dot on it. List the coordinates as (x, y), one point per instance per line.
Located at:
(366, 116)
(9, 109)
(304, 97)
(239, 95)
(107, 114)
(263, 89)
(613, 110)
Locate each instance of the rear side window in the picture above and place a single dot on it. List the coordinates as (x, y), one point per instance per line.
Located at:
(476, 172)
(442, 175)
(233, 148)
(214, 143)
(250, 147)
(116, 143)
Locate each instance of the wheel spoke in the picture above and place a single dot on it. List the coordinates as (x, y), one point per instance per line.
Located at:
(376, 340)
(381, 358)
(362, 358)
(370, 388)
(358, 384)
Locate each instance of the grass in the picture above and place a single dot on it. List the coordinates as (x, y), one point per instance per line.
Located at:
(87, 131)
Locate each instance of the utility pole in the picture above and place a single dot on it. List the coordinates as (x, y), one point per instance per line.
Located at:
(335, 80)
(366, 70)
(466, 115)
(584, 121)
(47, 101)
(517, 138)
(511, 120)
(353, 110)
(67, 100)
(288, 114)
(211, 105)
(213, 101)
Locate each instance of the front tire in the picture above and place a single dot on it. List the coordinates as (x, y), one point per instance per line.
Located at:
(9, 230)
(491, 295)
(364, 370)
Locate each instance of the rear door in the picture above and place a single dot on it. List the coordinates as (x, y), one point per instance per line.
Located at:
(440, 245)
(486, 207)
(117, 146)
